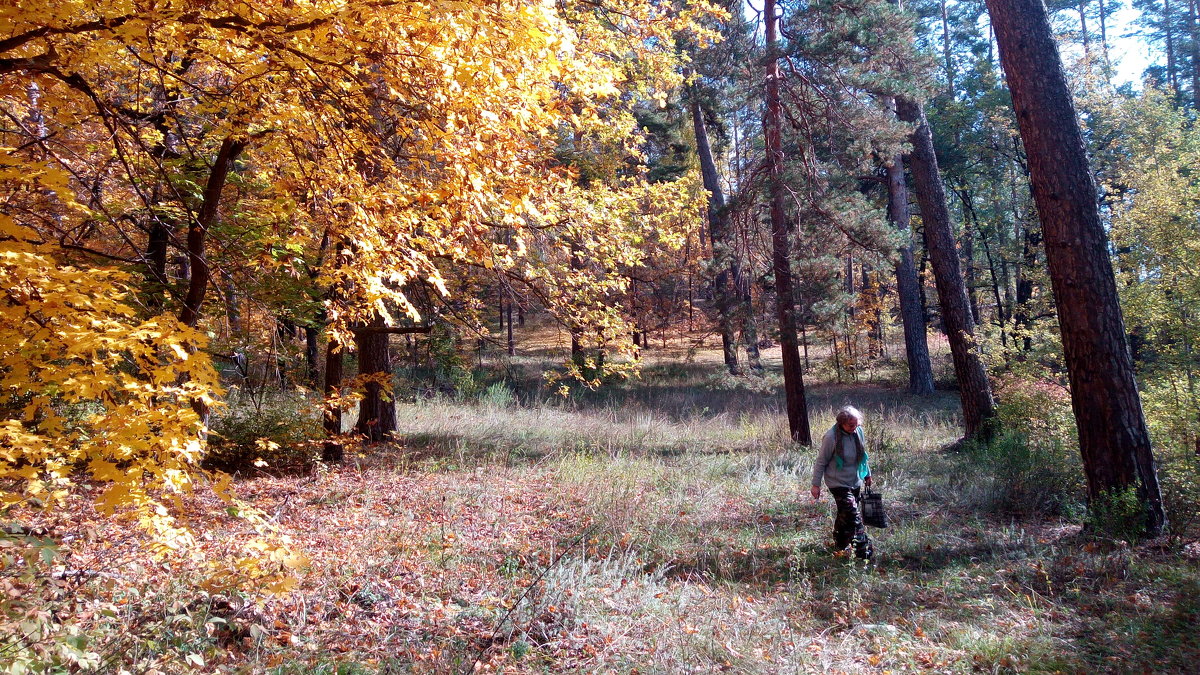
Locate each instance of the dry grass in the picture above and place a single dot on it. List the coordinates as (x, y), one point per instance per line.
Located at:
(660, 525)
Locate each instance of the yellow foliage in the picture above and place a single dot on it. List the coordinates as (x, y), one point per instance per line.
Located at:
(387, 143)
(89, 389)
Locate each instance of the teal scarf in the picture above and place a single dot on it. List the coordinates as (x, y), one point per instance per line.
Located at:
(861, 454)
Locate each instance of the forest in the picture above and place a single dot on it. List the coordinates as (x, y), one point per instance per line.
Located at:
(454, 336)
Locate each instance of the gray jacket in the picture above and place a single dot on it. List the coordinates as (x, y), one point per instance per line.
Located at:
(848, 475)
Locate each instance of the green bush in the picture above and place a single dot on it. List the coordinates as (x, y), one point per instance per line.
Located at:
(1011, 474)
(277, 430)
(497, 395)
(1118, 514)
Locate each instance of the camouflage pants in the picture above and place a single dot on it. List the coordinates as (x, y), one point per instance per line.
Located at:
(848, 524)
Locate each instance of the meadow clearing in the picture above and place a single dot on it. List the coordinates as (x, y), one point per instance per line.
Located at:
(659, 524)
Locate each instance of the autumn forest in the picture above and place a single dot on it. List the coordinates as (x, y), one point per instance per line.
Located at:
(358, 336)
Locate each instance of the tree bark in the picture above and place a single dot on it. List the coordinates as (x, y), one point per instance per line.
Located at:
(1104, 39)
(946, 54)
(1113, 438)
(1001, 311)
(916, 345)
(1169, 29)
(312, 337)
(1194, 36)
(749, 321)
(1022, 317)
(156, 262)
(793, 382)
(377, 410)
(974, 389)
(1083, 31)
(968, 259)
(198, 231)
(718, 224)
(331, 450)
(512, 344)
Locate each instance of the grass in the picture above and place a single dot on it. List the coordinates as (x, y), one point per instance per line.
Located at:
(663, 525)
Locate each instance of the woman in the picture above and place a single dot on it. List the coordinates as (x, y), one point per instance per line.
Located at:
(842, 462)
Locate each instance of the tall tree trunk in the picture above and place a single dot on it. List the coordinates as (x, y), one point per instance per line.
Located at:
(1169, 29)
(312, 337)
(198, 262)
(233, 307)
(331, 450)
(1194, 37)
(793, 379)
(974, 389)
(946, 53)
(968, 249)
(156, 262)
(749, 321)
(1113, 438)
(377, 409)
(1083, 32)
(1022, 319)
(718, 223)
(916, 346)
(923, 281)
(512, 344)
(1104, 39)
(1001, 311)
(198, 231)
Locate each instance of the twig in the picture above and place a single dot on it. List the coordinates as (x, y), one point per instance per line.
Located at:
(554, 563)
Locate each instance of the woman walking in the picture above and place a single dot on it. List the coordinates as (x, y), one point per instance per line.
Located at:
(842, 462)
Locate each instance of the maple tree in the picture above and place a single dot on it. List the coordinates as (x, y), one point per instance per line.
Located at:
(337, 153)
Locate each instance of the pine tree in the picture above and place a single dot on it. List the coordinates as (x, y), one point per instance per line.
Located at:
(1113, 437)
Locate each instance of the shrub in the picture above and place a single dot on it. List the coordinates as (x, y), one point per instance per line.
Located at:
(1171, 411)
(1013, 474)
(497, 395)
(277, 429)
(1037, 407)
(1118, 514)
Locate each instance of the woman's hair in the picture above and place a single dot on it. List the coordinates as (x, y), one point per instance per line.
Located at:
(849, 412)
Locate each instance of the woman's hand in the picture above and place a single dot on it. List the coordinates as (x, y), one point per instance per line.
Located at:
(816, 492)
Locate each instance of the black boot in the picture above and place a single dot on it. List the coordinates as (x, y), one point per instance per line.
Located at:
(862, 547)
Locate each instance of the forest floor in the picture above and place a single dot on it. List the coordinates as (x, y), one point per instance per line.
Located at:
(656, 525)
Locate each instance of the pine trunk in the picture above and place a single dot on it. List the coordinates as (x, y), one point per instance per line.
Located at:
(749, 320)
(312, 337)
(1194, 43)
(974, 389)
(512, 344)
(968, 249)
(916, 346)
(718, 223)
(1168, 28)
(1113, 438)
(1022, 318)
(793, 382)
